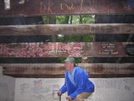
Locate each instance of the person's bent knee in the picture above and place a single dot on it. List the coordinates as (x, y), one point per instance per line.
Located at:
(78, 98)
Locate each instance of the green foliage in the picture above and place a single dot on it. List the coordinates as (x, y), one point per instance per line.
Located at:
(75, 19)
(87, 19)
(60, 19)
(45, 19)
(75, 38)
(72, 19)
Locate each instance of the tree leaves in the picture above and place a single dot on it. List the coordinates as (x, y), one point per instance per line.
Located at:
(71, 19)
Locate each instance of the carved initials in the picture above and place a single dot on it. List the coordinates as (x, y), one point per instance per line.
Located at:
(68, 7)
(49, 7)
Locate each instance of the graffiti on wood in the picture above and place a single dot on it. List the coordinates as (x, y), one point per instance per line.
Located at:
(51, 49)
(62, 7)
(130, 49)
(74, 49)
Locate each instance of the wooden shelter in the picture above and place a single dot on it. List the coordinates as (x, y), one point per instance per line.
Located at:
(42, 50)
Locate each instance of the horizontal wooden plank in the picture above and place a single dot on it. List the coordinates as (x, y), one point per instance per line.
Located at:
(15, 8)
(75, 49)
(62, 76)
(57, 70)
(66, 29)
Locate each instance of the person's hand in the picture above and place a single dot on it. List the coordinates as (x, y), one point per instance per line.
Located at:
(68, 98)
(59, 93)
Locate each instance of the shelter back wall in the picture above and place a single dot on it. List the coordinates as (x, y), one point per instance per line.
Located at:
(112, 89)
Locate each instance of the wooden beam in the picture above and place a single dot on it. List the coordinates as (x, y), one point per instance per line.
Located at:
(57, 70)
(15, 8)
(75, 49)
(95, 49)
(66, 29)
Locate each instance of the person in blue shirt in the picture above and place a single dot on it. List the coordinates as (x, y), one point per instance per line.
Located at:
(77, 85)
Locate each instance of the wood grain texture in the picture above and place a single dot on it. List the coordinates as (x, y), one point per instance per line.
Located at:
(59, 49)
(57, 70)
(66, 29)
(16, 8)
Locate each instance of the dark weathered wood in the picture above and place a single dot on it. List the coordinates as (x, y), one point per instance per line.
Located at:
(64, 7)
(62, 76)
(58, 49)
(57, 70)
(66, 29)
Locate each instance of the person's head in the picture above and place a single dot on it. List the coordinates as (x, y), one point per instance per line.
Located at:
(69, 63)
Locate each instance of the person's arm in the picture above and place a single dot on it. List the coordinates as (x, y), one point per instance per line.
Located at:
(64, 87)
(80, 85)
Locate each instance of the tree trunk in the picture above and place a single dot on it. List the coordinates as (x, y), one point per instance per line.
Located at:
(52, 20)
(80, 20)
(66, 20)
(71, 17)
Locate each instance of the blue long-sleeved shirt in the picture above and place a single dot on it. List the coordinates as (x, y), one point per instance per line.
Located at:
(83, 84)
